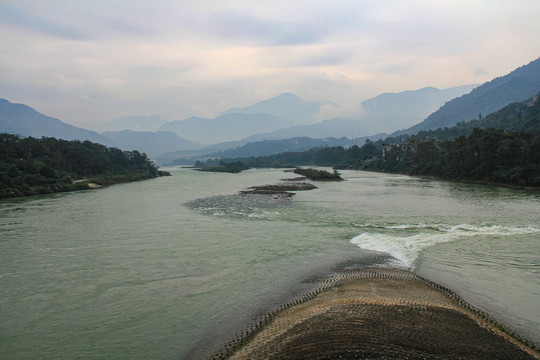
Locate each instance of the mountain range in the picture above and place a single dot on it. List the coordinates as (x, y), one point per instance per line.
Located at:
(264, 121)
(23, 120)
(227, 127)
(151, 143)
(517, 86)
(286, 106)
(288, 116)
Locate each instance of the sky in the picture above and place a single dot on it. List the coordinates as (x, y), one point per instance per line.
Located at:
(89, 61)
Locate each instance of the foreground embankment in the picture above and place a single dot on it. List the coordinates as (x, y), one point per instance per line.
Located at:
(377, 313)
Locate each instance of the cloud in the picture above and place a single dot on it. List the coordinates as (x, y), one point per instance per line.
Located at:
(326, 57)
(401, 68)
(480, 71)
(15, 17)
(105, 59)
(263, 31)
(126, 27)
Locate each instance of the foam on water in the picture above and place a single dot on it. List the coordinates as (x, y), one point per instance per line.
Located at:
(247, 206)
(406, 241)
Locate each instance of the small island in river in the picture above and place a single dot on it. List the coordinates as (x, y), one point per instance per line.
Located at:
(319, 175)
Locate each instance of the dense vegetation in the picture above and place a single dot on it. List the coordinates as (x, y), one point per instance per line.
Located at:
(503, 147)
(270, 147)
(338, 157)
(229, 167)
(489, 155)
(320, 175)
(30, 166)
(517, 117)
(520, 84)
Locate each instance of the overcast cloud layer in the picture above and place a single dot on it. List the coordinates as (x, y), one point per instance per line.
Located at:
(90, 61)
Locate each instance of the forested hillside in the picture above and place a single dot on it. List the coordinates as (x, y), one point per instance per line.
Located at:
(503, 147)
(523, 116)
(491, 96)
(489, 155)
(30, 166)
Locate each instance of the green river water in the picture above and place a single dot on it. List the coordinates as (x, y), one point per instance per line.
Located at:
(156, 269)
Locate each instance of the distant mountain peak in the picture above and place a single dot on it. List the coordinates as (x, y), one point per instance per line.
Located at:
(287, 106)
(287, 95)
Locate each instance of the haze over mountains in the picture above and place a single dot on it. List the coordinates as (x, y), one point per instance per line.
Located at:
(288, 116)
(519, 85)
(25, 121)
(228, 127)
(286, 106)
(151, 143)
(135, 123)
(285, 116)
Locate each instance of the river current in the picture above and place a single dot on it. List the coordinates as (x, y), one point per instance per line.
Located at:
(160, 268)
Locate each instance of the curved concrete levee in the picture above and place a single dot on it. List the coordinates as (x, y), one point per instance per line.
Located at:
(376, 313)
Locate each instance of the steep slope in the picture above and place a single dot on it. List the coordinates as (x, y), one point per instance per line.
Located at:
(516, 117)
(151, 143)
(517, 86)
(390, 111)
(23, 120)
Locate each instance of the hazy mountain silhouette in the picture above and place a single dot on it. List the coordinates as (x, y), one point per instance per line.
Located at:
(282, 111)
(152, 143)
(384, 111)
(228, 127)
(520, 84)
(23, 120)
(287, 106)
(135, 123)
(338, 127)
(390, 111)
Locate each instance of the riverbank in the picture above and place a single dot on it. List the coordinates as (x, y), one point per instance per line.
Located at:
(33, 166)
(68, 185)
(377, 313)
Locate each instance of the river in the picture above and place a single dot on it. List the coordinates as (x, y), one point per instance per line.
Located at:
(154, 269)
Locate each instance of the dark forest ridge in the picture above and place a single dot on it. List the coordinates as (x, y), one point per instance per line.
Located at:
(520, 84)
(30, 166)
(502, 148)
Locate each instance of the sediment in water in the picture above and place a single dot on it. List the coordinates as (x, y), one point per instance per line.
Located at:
(376, 313)
(282, 188)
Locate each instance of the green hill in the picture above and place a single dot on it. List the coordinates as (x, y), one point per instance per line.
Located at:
(491, 96)
(502, 148)
(516, 117)
(30, 166)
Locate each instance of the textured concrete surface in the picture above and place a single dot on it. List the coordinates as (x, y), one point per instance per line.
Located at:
(377, 314)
